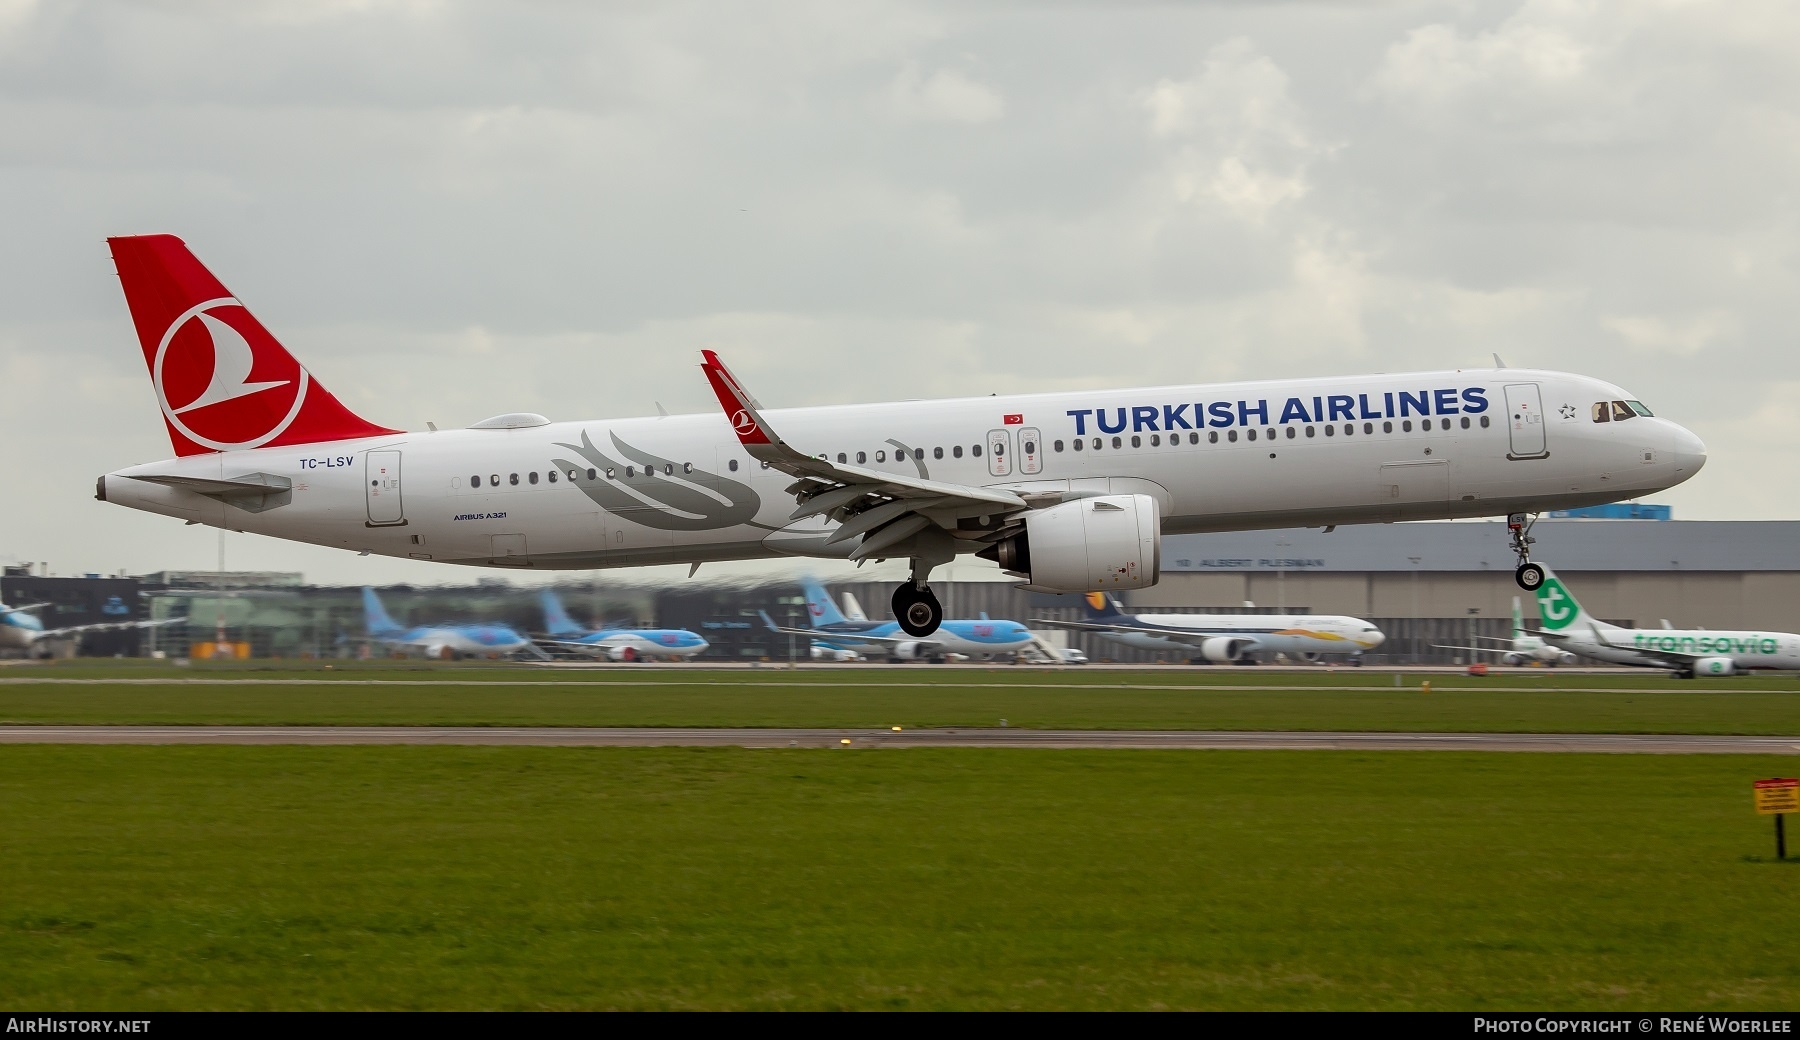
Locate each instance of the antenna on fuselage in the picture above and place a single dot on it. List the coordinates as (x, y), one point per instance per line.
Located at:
(1497, 362)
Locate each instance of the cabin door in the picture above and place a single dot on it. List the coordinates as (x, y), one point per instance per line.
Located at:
(381, 481)
(1525, 421)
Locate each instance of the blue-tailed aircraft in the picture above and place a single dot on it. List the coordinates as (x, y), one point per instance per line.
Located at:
(447, 642)
(22, 629)
(831, 630)
(616, 644)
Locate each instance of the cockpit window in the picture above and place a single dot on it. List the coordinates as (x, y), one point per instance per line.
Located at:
(1602, 411)
(1638, 407)
(1621, 411)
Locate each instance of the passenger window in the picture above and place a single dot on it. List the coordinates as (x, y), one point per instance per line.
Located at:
(1212, 436)
(1621, 411)
(1231, 436)
(1136, 441)
(1118, 442)
(862, 457)
(494, 479)
(937, 453)
(550, 476)
(591, 473)
(1096, 444)
(1056, 446)
(630, 471)
(1387, 427)
(1291, 434)
(1250, 434)
(1330, 431)
(975, 450)
(1406, 426)
(611, 473)
(730, 464)
(956, 451)
(512, 478)
(1194, 438)
(1311, 431)
(687, 467)
(1155, 441)
(1270, 433)
(842, 457)
(1465, 422)
(1077, 444)
(765, 465)
(1484, 422)
(668, 469)
(881, 456)
(475, 481)
(532, 476)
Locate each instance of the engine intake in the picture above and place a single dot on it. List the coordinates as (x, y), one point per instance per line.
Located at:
(1088, 545)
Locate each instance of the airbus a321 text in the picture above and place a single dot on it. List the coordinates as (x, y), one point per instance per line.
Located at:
(1071, 491)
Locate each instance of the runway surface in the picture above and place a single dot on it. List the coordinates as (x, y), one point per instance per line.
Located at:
(551, 736)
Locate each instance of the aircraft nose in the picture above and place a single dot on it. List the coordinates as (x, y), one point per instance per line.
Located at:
(1371, 640)
(1689, 452)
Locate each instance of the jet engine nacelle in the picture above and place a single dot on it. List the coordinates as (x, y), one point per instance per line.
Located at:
(1088, 545)
(911, 651)
(1220, 649)
(826, 653)
(440, 652)
(1715, 666)
(1512, 660)
(621, 653)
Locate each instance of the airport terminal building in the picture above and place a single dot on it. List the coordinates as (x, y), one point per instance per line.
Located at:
(1422, 583)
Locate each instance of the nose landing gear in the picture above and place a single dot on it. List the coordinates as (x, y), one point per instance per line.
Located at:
(1518, 528)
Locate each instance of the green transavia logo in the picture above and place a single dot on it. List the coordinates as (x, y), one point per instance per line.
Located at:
(1558, 608)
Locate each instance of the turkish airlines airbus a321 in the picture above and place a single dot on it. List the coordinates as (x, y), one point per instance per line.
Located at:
(1071, 492)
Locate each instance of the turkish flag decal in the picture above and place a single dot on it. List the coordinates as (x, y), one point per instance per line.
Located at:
(1013, 419)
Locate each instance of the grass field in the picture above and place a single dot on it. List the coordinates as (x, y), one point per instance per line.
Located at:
(151, 878)
(1346, 699)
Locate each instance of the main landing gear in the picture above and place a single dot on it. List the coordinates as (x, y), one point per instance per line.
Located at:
(916, 607)
(1529, 575)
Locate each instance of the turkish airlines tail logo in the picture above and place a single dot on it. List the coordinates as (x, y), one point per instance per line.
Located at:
(223, 381)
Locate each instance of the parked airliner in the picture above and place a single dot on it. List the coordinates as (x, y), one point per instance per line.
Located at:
(829, 629)
(1523, 648)
(615, 644)
(1686, 652)
(1069, 491)
(1220, 638)
(22, 629)
(442, 641)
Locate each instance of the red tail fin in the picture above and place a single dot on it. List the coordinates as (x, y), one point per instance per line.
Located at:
(223, 381)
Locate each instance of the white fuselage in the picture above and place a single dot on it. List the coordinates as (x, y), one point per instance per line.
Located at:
(576, 494)
(1296, 635)
(1532, 648)
(1746, 650)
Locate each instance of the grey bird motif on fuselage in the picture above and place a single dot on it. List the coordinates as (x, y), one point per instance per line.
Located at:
(669, 496)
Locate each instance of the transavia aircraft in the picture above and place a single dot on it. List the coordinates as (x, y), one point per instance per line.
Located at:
(1686, 652)
(1522, 648)
(831, 630)
(1225, 637)
(442, 641)
(1072, 492)
(615, 644)
(22, 629)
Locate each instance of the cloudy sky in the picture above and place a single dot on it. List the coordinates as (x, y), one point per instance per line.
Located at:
(452, 210)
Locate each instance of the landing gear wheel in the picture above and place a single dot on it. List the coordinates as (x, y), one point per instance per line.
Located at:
(1529, 576)
(917, 610)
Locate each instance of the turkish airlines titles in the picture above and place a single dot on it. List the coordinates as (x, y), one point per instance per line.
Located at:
(1393, 404)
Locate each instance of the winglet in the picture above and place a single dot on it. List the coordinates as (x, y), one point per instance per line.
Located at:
(743, 411)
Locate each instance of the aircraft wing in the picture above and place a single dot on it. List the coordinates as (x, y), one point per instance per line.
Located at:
(26, 609)
(886, 509)
(845, 637)
(106, 626)
(1186, 635)
(1477, 649)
